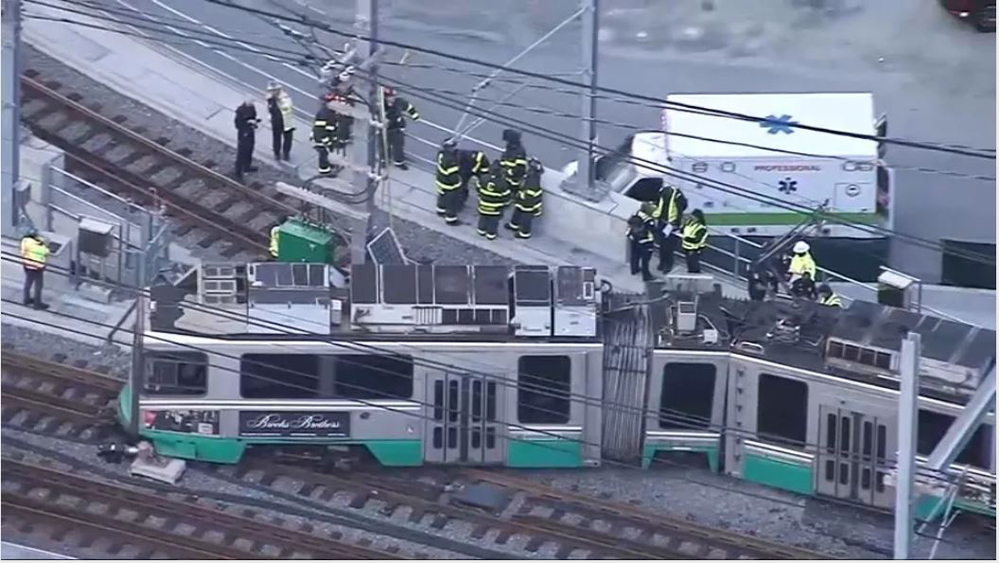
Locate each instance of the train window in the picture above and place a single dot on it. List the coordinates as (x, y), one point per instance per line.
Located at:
(782, 409)
(686, 395)
(932, 426)
(279, 376)
(543, 384)
(176, 373)
(360, 376)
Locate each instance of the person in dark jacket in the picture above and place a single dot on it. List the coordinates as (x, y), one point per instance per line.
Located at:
(494, 195)
(448, 182)
(471, 163)
(760, 281)
(246, 129)
(669, 211)
(324, 136)
(396, 111)
(641, 239)
(514, 159)
(804, 287)
(279, 107)
(528, 200)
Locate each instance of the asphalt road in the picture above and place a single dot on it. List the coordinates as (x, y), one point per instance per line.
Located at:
(933, 75)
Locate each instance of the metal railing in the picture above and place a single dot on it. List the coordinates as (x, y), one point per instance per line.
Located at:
(140, 237)
(740, 262)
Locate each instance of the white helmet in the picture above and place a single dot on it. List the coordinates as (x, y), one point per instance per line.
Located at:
(801, 247)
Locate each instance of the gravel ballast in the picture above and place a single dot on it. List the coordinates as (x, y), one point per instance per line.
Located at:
(694, 494)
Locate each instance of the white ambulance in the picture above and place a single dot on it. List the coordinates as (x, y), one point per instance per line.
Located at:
(736, 170)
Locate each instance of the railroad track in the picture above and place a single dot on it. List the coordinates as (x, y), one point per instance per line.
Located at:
(675, 539)
(157, 525)
(208, 209)
(690, 539)
(56, 393)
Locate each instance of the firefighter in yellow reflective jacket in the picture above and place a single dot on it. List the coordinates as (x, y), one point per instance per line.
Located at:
(528, 200)
(694, 240)
(448, 182)
(514, 159)
(669, 211)
(494, 195)
(324, 136)
(396, 110)
(828, 297)
(471, 163)
(641, 238)
(34, 255)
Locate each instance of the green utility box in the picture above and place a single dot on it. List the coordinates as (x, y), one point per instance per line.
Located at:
(299, 241)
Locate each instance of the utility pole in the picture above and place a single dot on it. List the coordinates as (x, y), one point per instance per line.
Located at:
(363, 148)
(11, 160)
(585, 170)
(909, 390)
(137, 379)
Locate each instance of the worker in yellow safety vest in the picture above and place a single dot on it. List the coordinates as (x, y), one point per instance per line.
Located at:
(694, 239)
(34, 254)
(669, 211)
(828, 297)
(802, 262)
(272, 247)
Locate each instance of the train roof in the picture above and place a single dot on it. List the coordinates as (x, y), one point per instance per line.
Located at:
(537, 305)
(861, 342)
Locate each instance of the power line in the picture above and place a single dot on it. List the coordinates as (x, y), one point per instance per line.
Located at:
(668, 171)
(691, 177)
(307, 60)
(947, 477)
(688, 108)
(693, 422)
(426, 417)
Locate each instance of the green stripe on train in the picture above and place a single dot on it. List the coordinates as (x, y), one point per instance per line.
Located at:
(711, 452)
(753, 219)
(794, 477)
(545, 452)
(390, 453)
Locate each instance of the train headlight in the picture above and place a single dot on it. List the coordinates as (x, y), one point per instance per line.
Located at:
(849, 166)
(728, 167)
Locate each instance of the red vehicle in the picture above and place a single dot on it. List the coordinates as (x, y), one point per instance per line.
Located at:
(982, 13)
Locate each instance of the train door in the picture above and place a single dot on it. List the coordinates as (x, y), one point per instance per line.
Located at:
(462, 422)
(854, 452)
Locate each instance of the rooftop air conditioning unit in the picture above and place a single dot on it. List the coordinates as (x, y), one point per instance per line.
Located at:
(532, 301)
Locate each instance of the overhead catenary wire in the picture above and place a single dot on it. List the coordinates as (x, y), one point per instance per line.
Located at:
(503, 436)
(310, 60)
(710, 183)
(945, 477)
(287, 330)
(367, 194)
(351, 35)
(668, 171)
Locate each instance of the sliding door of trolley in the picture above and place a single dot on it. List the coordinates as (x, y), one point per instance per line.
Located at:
(463, 415)
(854, 455)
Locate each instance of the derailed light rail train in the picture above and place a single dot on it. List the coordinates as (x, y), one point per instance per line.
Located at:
(537, 368)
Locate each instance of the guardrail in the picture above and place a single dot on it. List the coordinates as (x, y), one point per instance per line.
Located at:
(740, 262)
